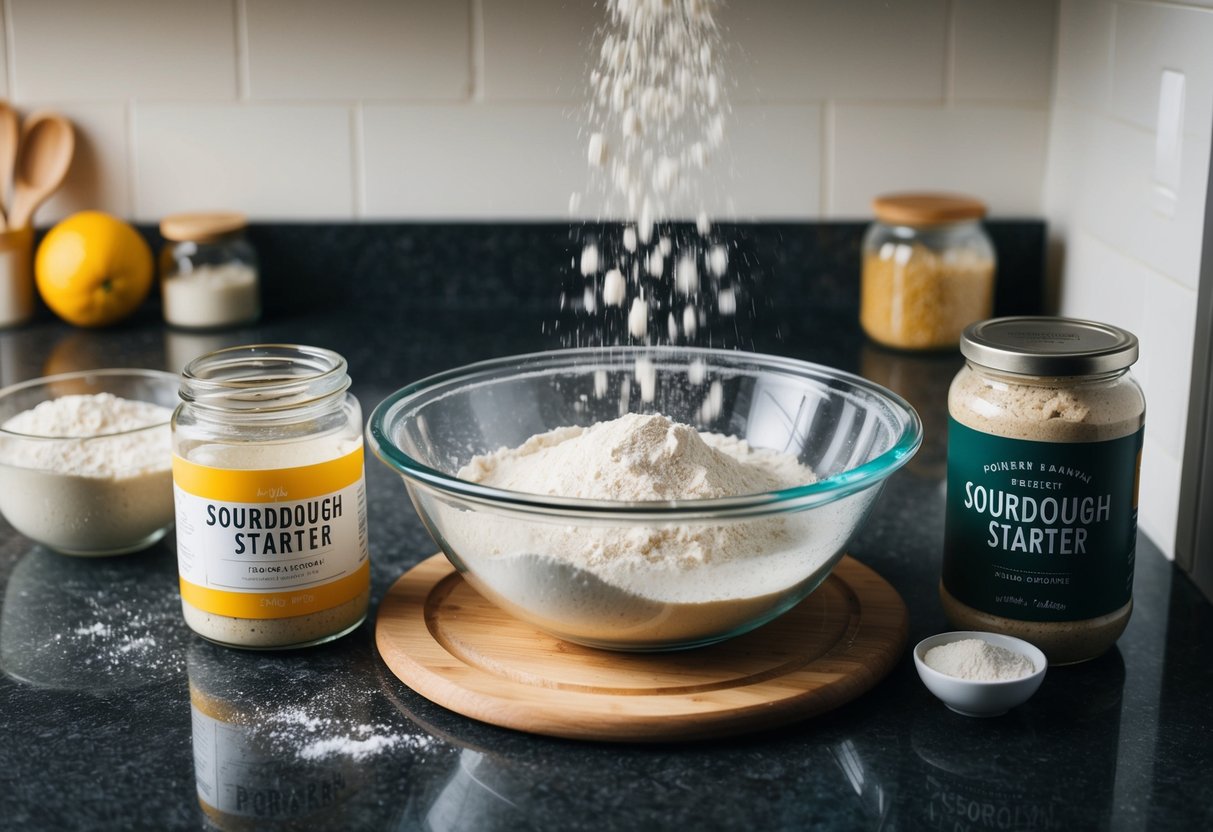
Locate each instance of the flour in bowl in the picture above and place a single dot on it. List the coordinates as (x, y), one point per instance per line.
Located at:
(644, 581)
(637, 457)
(88, 474)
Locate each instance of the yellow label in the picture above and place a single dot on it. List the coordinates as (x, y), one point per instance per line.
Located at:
(271, 543)
(278, 604)
(267, 486)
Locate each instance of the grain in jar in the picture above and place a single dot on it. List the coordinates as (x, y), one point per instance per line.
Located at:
(928, 270)
(1044, 453)
(209, 273)
(270, 497)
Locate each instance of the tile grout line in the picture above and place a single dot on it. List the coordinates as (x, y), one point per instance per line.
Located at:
(358, 160)
(949, 59)
(826, 198)
(476, 50)
(1167, 277)
(244, 85)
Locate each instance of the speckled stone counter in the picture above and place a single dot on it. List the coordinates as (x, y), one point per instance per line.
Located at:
(114, 716)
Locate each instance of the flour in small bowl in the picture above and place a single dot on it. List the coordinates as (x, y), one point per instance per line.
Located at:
(977, 660)
(88, 474)
(614, 580)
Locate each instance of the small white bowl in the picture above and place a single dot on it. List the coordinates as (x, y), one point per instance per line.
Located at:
(983, 699)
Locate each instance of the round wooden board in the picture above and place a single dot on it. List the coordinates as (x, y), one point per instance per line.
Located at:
(443, 640)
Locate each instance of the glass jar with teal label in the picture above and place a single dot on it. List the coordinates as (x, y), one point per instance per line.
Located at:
(1045, 428)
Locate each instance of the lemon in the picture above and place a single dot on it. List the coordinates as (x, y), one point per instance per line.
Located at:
(93, 269)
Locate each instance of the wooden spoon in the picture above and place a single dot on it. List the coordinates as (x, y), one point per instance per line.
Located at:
(47, 145)
(10, 137)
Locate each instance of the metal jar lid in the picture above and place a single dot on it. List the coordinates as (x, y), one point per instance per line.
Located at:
(1044, 346)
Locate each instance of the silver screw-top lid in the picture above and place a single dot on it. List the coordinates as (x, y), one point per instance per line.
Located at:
(1044, 346)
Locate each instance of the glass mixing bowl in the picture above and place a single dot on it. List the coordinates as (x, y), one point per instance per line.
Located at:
(53, 489)
(524, 552)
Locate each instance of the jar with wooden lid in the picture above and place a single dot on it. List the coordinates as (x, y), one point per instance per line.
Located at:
(928, 270)
(1045, 434)
(209, 271)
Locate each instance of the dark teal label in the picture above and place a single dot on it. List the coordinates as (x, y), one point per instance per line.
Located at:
(1040, 531)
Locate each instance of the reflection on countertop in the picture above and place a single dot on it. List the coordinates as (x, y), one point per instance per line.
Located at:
(987, 774)
(505, 780)
(273, 751)
(92, 624)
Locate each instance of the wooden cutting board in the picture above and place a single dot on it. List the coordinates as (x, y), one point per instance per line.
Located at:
(443, 640)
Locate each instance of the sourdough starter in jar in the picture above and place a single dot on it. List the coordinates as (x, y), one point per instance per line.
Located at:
(271, 497)
(1044, 449)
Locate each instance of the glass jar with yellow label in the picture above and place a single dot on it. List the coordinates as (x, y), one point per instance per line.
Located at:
(270, 497)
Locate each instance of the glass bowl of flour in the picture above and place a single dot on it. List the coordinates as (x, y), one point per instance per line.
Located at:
(86, 459)
(644, 498)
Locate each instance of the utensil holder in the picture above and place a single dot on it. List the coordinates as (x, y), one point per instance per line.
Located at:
(16, 276)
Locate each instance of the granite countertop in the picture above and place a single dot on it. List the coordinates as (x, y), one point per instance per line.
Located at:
(97, 729)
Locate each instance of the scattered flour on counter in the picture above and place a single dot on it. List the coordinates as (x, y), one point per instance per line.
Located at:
(314, 737)
(98, 629)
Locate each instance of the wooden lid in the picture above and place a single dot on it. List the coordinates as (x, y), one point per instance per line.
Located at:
(201, 227)
(927, 208)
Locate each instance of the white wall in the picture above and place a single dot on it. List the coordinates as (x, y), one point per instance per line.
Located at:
(1131, 251)
(392, 109)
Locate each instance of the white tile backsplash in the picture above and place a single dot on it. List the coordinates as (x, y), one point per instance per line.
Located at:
(1116, 200)
(992, 153)
(1003, 51)
(1159, 493)
(537, 50)
(469, 161)
(1063, 175)
(1085, 31)
(1169, 321)
(789, 62)
(1151, 37)
(1125, 247)
(1103, 284)
(772, 165)
(260, 159)
(358, 49)
(812, 50)
(72, 50)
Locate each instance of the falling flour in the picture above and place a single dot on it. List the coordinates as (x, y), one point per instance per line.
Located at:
(656, 120)
(659, 581)
(978, 661)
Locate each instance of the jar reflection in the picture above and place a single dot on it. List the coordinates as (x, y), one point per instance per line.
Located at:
(97, 624)
(182, 347)
(503, 780)
(980, 774)
(258, 763)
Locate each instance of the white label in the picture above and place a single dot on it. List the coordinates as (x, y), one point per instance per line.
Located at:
(270, 547)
